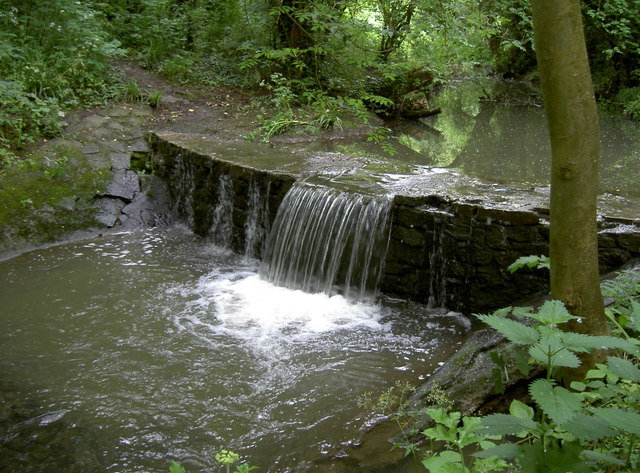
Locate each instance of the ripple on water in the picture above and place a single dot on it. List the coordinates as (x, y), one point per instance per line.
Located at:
(154, 346)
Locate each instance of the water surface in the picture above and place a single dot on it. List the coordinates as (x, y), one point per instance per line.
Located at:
(125, 352)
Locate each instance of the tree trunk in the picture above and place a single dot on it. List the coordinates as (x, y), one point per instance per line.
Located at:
(575, 142)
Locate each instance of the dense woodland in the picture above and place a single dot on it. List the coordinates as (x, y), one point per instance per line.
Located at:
(325, 62)
(330, 57)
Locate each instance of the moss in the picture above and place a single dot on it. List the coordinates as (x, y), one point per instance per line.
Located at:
(465, 357)
(44, 197)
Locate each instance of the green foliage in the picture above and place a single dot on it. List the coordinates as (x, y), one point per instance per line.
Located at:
(294, 103)
(25, 117)
(548, 345)
(458, 434)
(154, 99)
(629, 101)
(393, 403)
(624, 311)
(511, 41)
(132, 92)
(591, 426)
(531, 261)
(53, 56)
(176, 467)
(226, 458)
(612, 30)
(594, 422)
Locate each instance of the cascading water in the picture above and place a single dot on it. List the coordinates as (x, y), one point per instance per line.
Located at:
(256, 226)
(184, 183)
(201, 355)
(330, 241)
(221, 232)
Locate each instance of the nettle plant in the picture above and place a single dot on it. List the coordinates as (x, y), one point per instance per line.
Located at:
(594, 423)
(592, 426)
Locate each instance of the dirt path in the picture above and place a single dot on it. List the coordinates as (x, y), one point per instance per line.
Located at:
(222, 112)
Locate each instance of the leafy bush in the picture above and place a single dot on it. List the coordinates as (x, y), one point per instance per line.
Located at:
(25, 117)
(593, 423)
(53, 55)
(591, 426)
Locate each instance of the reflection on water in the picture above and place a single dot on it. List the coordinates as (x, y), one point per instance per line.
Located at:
(490, 132)
(126, 352)
(480, 135)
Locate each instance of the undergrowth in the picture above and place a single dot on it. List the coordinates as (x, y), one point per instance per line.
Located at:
(593, 425)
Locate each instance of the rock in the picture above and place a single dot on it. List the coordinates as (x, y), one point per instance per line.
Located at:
(99, 159)
(94, 121)
(124, 185)
(108, 210)
(140, 146)
(150, 207)
(115, 145)
(120, 161)
(91, 148)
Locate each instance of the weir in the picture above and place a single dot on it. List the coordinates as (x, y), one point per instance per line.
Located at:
(324, 222)
(325, 240)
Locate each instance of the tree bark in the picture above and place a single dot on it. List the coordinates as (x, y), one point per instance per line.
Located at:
(575, 143)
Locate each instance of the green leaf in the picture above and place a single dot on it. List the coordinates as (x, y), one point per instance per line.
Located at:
(504, 424)
(595, 374)
(515, 331)
(624, 368)
(626, 421)
(520, 410)
(520, 311)
(441, 416)
(553, 458)
(531, 261)
(635, 314)
(441, 433)
(498, 385)
(550, 350)
(553, 313)
(601, 457)
(443, 462)
(505, 450)
(583, 343)
(586, 427)
(578, 386)
(176, 467)
(522, 363)
(467, 433)
(557, 402)
(497, 359)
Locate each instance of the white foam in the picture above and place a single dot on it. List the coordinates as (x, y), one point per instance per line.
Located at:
(245, 305)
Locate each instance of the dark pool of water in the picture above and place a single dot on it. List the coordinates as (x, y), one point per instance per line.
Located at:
(126, 352)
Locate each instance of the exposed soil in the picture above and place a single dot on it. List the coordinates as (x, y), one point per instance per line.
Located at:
(223, 112)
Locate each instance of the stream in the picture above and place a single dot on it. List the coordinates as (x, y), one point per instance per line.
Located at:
(125, 352)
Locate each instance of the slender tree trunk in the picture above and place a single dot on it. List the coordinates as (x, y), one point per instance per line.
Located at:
(575, 142)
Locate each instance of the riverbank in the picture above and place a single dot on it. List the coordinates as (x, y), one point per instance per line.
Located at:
(95, 176)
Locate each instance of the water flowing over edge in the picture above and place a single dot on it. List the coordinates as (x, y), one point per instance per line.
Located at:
(329, 241)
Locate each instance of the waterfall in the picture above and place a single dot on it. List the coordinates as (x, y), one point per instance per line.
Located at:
(221, 232)
(184, 184)
(438, 261)
(256, 226)
(326, 240)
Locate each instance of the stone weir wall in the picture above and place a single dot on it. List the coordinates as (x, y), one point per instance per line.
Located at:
(455, 254)
(209, 193)
(442, 252)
